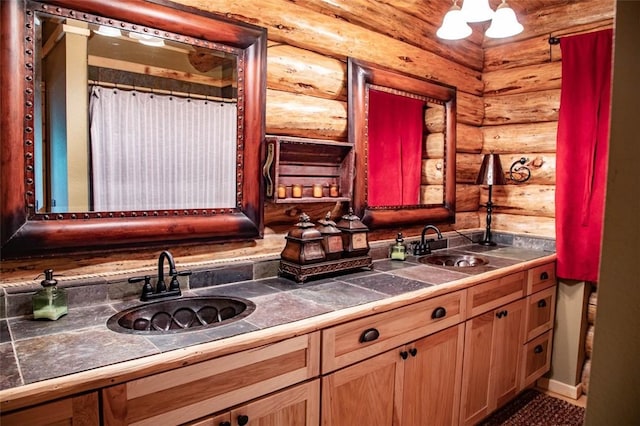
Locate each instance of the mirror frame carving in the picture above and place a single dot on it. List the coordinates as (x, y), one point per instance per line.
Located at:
(361, 75)
(26, 233)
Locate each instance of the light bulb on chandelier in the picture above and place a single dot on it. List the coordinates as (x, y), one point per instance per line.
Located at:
(504, 22)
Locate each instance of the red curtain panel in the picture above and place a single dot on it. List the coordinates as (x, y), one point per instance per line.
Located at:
(581, 157)
(394, 149)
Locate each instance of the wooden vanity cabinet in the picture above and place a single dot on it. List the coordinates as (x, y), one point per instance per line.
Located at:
(403, 386)
(80, 410)
(508, 347)
(202, 389)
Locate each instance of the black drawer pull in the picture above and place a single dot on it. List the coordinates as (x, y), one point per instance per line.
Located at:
(544, 276)
(538, 349)
(369, 335)
(542, 303)
(404, 354)
(439, 312)
(413, 351)
(243, 420)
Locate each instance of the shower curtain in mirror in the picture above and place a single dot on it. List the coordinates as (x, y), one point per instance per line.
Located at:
(156, 152)
(581, 158)
(394, 149)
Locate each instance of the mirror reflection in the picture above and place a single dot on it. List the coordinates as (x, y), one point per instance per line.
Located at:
(406, 135)
(132, 121)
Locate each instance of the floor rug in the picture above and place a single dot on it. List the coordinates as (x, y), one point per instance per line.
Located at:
(533, 408)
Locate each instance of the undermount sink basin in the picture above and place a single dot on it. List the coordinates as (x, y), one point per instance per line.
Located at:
(454, 260)
(180, 315)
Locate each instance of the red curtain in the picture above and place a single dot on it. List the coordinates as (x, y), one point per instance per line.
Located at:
(581, 157)
(394, 149)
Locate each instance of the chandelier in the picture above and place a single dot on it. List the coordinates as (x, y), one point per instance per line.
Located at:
(455, 24)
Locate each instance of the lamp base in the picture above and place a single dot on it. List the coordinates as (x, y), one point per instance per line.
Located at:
(487, 243)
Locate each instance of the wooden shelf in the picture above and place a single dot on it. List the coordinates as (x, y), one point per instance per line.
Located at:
(308, 162)
(292, 200)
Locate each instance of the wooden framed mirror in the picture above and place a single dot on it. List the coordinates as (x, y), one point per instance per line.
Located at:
(404, 132)
(175, 177)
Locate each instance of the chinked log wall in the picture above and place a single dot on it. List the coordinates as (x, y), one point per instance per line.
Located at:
(309, 42)
(522, 79)
(508, 93)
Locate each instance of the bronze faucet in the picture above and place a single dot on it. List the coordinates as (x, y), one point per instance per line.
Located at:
(423, 247)
(161, 290)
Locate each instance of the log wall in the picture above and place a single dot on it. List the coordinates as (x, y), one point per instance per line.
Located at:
(508, 99)
(522, 80)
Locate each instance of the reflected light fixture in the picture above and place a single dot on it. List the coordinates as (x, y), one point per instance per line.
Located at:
(147, 40)
(454, 26)
(490, 174)
(106, 31)
(504, 22)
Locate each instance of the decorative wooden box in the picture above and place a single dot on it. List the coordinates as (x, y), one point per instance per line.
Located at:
(290, 162)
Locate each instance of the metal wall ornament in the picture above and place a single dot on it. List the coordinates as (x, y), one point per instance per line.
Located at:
(519, 174)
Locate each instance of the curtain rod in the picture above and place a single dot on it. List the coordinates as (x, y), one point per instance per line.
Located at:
(161, 91)
(554, 40)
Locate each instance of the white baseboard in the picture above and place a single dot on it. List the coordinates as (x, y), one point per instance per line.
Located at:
(573, 392)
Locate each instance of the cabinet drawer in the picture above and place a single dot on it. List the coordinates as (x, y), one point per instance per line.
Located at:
(536, 358)
(541, 308)
(197, 390)
(347, 343)
(541, 277)
(491, 294)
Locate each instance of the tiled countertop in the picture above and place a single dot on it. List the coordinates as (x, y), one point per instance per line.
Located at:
(33, 351)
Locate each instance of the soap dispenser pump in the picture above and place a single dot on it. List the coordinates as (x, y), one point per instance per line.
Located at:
(50, 302)
(399, 249)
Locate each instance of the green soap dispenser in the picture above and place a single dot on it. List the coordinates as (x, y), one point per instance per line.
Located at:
(50, 302)
(398, 251)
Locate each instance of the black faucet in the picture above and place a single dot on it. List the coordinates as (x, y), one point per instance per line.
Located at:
(423, 247)
(161, 290)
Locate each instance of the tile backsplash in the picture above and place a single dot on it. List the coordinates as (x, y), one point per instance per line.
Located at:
(15, 301)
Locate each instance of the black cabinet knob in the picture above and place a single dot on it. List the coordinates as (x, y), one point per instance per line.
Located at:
(413, 351)
(439, 312)
(225, 423)
(369, 335)
(243, 420)
(542, 303)
(506, 313)
(404, 354)
(544, 276)
(537, 349)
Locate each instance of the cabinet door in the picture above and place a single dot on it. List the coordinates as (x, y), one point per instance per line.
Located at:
(78, 410)
(297, 406)
(491, 366)
(476, 368)
(508, 336)
(364, 393)
(432, 379)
